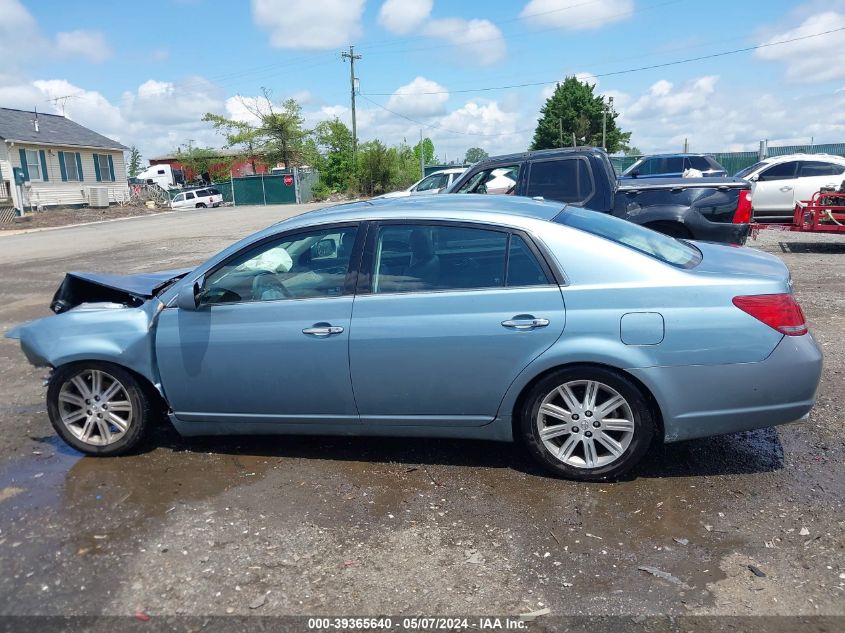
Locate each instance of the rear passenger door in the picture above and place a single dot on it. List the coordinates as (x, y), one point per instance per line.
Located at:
(446, 315)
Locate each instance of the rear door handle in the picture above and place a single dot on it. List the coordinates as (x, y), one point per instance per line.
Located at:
(525, 322)
(322, 330)
(786, 188)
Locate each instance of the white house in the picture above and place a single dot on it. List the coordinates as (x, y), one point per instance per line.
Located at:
(61, 161)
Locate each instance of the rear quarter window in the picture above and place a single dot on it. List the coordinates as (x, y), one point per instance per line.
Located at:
(662, 247)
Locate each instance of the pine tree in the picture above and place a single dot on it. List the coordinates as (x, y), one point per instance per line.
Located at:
(573, 108)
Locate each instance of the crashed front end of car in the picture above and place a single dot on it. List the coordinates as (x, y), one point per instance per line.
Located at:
(98, 317)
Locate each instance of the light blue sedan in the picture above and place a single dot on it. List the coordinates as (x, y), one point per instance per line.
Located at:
(482, 317)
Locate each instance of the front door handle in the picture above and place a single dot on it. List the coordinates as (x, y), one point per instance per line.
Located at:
(786, 188)
(525, 322)
(322, 330)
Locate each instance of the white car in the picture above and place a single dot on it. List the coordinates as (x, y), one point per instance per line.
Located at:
(433, 183)
(779, 182)
(197, 199)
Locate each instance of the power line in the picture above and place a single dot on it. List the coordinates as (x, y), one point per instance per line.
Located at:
(616, 72)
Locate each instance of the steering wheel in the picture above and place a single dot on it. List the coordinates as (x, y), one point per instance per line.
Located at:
(265, 282)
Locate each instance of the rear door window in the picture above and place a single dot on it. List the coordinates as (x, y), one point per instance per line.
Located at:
(420, 258)
(189, 196)
(812, 168)
(564, 179)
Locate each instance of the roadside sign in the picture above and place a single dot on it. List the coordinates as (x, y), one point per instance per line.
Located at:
(288, 180)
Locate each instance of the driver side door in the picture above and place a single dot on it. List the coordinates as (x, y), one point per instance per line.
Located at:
(269, 340)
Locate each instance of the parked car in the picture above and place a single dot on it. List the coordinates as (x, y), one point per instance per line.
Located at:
(712, 209)
(674, 166)
(779, 182)
(479, 317)
(435, 182)
(197, 199)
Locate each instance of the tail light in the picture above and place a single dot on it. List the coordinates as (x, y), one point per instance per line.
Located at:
(743, 208)
(780, 312)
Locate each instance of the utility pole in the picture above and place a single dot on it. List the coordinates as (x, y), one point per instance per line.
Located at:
(352, 56)
(422, 157)
(607, 108)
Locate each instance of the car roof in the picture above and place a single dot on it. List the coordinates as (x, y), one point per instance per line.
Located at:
(833, 158)
(542, 153)
(445, 206)
(668, 154)
(450, 170)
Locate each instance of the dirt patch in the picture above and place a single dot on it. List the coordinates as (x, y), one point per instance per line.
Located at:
(64, 216)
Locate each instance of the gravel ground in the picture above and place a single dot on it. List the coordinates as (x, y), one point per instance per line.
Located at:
(300, 525)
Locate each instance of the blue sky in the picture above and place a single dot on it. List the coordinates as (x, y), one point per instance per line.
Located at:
(145, 75)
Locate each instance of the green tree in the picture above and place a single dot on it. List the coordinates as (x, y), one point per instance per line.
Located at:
(573, 108)
(333, 140)
(240, 136)
(278, 135)
(202, 160)
(427, 150)
(134, 166)
(376, 168)
(475, 154)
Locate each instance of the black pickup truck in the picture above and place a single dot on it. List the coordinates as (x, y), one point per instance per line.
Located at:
(711, 209)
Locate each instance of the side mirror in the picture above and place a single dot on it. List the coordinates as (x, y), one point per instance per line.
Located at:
(754, 178)
(188, 296)
(635, 173)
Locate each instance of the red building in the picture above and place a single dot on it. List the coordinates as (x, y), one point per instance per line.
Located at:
(239, 166)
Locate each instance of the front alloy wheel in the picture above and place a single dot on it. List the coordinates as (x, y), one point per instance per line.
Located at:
(589, 424)
(97, 408)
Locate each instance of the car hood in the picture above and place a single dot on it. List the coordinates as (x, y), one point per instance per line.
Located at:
(131, 290)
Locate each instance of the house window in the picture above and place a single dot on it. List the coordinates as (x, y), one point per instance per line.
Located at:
(105, 172)
(72, 172)
(33, 164)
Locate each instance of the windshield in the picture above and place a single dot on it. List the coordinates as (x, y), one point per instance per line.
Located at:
(633, 167)
(742, 173)
(666, 249)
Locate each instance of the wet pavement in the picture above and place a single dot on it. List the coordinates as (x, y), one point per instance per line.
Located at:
(305, 525)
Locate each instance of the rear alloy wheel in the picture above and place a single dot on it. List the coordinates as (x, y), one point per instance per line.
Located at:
(98, 408)
(589, 424)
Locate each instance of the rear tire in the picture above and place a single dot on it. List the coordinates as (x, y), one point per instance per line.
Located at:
(587, 423)
(99, 408)
(201, 205)
(672, 229)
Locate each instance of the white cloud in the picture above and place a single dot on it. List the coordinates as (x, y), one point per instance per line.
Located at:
(574, 15)
(91, 45)
(22, 42)
(480, 40)
(726, 119)
(313, 24)
(812, 59)
(402, 16)
(410, 100)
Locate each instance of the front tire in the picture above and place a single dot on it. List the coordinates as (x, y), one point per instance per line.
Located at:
(98, 408)
(587, 423)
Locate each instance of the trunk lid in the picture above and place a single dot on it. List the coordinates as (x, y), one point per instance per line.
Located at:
(724, 259)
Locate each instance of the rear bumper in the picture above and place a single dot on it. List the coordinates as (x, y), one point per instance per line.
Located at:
(704, 400)
(721, 232)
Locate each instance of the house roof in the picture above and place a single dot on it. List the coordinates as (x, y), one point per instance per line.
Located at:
(16, 125)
